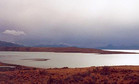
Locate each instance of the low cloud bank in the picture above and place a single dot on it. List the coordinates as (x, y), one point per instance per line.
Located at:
(14, 32)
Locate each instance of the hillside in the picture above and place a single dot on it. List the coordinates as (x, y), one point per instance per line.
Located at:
(9, 44)
(61, 49)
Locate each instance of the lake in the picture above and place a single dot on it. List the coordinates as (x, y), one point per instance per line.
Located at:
(72, 60)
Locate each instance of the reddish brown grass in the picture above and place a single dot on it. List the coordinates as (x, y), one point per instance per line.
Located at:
(91, 75)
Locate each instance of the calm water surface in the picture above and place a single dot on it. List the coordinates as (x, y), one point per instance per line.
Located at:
(58, 60)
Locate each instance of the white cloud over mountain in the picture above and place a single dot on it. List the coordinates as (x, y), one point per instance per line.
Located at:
(14, 32)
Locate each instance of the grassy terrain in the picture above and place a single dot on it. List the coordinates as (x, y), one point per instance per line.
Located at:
(90, 75)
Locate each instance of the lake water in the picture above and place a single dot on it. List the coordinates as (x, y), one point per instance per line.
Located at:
(73, 60)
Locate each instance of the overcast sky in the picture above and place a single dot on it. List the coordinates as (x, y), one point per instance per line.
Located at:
(87, 23)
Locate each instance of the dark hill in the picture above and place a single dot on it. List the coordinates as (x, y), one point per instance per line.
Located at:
(60, 49)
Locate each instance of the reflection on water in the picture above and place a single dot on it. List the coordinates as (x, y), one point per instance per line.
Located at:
(68, 59)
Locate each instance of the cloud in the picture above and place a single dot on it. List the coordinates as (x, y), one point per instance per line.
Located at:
(84, 22)
(14, 32)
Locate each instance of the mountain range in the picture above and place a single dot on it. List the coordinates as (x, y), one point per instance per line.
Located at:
(53, 45)
(109, 46)
(9, 44)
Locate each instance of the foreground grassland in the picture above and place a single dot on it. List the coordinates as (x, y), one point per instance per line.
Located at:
(90, 75)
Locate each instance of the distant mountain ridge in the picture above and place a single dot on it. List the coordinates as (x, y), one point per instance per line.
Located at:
(53, 45)
(60, 45)
(110, 46)
(9, 44)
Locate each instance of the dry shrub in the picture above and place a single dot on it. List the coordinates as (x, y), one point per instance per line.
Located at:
(43, 72)
(105, 71)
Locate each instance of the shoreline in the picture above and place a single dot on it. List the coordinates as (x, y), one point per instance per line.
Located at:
(62, 50)
(18, 74)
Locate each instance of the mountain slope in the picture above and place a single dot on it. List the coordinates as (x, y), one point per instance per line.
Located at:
(9, 44)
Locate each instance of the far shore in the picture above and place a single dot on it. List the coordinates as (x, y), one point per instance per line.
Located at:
(62, 49)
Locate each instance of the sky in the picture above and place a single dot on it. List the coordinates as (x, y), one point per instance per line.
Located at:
(85, 23)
